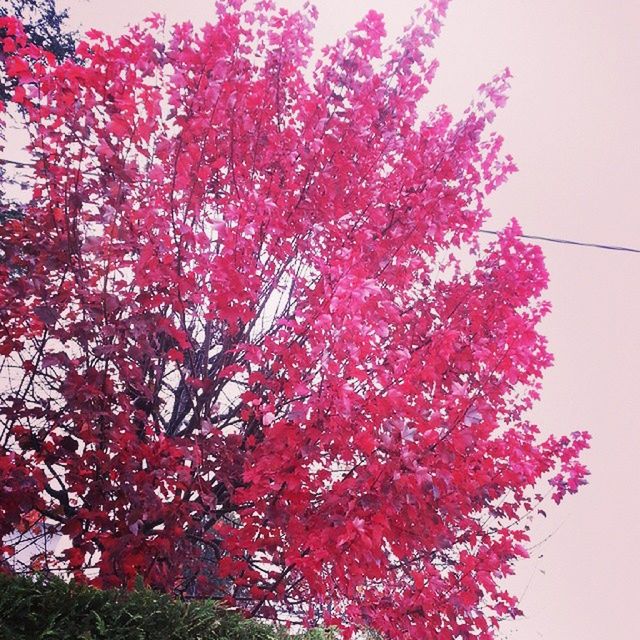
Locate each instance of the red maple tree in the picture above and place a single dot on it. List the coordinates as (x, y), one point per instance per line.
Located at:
(251, 346)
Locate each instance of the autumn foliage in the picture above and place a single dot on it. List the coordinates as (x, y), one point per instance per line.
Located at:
(252, 347)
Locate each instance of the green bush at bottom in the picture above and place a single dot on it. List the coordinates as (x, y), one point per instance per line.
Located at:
(51, 609)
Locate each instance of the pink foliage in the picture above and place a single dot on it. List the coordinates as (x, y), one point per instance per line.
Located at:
(253, 348)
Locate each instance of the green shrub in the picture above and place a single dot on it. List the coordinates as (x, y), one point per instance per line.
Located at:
(51, 609)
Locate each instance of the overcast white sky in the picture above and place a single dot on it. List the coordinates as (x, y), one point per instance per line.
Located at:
(573, 125)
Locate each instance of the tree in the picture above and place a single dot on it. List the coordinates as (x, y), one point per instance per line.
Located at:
(252, 345)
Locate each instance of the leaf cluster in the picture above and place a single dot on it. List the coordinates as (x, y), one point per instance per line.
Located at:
(44, 24)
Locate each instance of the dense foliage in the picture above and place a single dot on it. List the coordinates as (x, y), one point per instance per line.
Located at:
(55, 610)
(251, 346)
(46, 27)
(44, 24)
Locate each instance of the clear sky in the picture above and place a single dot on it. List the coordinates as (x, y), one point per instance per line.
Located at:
(573, 125)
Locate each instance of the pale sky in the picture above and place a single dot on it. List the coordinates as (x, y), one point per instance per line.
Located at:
(573, 125)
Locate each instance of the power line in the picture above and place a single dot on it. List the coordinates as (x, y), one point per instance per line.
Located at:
(594, 245)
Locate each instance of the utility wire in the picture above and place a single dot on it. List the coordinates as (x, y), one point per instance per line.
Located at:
(594, 245)
(574, 242)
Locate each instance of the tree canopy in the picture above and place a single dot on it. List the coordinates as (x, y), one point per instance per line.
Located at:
(251, 345)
